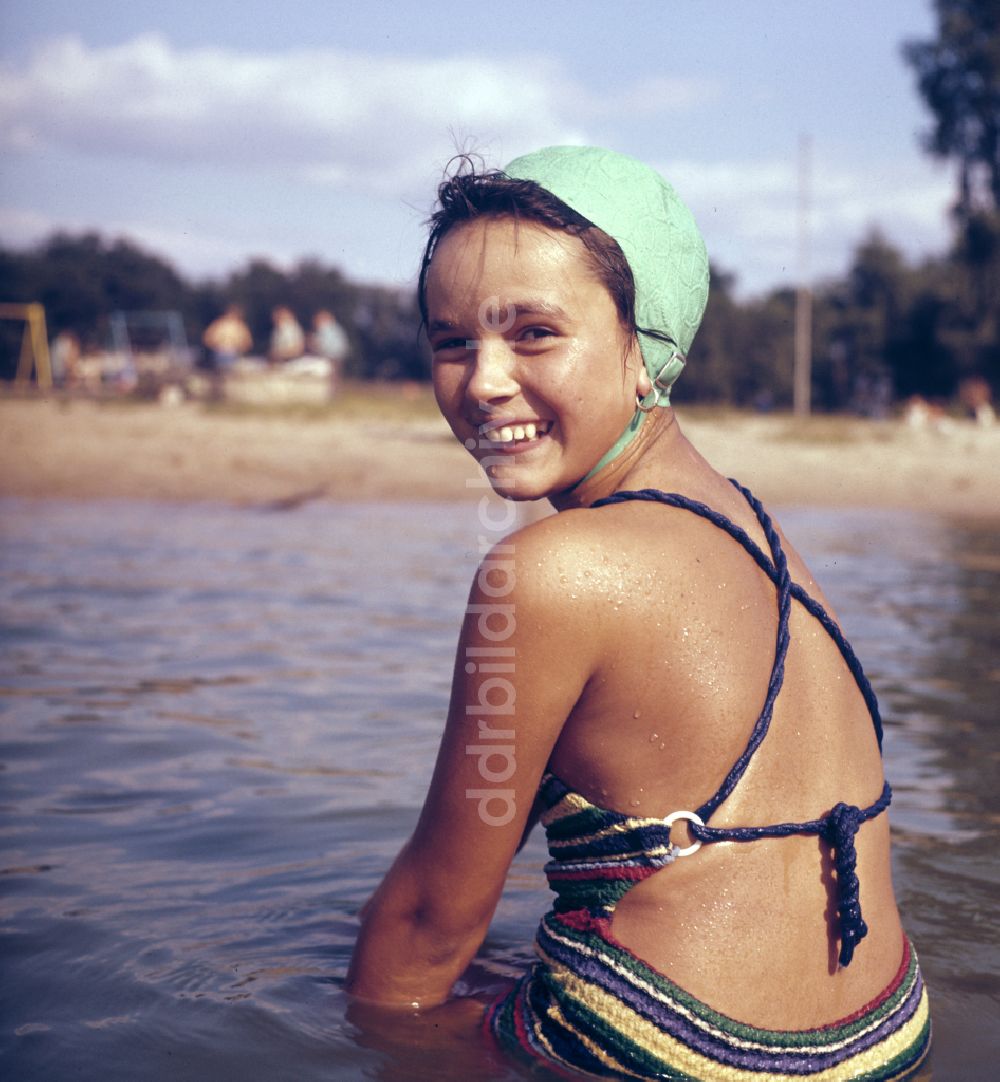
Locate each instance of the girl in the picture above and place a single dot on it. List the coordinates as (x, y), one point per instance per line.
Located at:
(653, 672)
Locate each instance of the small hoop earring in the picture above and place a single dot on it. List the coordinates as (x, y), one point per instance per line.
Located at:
(639, 399)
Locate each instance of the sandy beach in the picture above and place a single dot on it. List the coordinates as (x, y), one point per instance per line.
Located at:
(382, 443)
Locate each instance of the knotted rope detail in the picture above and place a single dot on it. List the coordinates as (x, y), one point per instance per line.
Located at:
(841, 826)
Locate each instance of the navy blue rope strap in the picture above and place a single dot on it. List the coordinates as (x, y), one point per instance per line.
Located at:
(763, 722)
(839, 827)
(810, 604)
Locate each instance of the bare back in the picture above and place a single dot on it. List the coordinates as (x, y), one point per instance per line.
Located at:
(687, 624)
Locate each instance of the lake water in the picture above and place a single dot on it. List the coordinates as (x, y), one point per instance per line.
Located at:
(218, 725)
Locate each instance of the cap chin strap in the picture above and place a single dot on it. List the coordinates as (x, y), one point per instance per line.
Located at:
(663, 381)
(659, 395)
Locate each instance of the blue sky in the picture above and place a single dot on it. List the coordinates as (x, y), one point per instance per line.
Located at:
(212, 132)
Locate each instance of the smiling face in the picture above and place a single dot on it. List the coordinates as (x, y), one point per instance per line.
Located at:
(532, 368)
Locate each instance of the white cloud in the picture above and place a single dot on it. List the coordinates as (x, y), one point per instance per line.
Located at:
(748, 212)
(278, 131)
(332, 115)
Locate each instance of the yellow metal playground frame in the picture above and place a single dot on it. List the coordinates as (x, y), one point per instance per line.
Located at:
(34, 344)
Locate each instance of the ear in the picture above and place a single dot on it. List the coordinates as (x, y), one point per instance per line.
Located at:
(643, 383)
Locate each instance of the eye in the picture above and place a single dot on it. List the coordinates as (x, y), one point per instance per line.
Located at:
(450, 345)
(535, 334)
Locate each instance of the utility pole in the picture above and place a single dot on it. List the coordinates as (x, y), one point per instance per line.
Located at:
(802, 376)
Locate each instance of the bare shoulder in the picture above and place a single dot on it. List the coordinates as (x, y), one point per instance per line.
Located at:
(548, 552)
(586, 554)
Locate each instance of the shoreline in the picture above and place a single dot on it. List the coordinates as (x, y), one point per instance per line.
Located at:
(388, 444)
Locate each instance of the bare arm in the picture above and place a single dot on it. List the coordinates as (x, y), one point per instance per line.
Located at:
(520, 667)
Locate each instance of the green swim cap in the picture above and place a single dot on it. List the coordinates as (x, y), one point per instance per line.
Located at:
(633, 204)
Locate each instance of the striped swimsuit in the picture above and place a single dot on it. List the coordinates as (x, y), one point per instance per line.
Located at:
(591, 1006)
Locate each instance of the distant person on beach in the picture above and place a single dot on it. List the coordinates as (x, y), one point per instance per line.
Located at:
(228, 338)
(976, 400)
(65, 358)
(329, 341)
(287, 340)
(652, 673)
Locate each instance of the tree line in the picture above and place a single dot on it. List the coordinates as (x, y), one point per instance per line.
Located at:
(888, 328)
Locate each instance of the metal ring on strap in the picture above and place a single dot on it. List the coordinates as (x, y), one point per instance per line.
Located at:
(692, 817)
(672, 366)
(659, 393)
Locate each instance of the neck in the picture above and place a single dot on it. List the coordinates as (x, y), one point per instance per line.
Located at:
(634, 467)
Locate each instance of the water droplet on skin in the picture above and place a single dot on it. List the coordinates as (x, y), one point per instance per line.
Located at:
(654, 737)
(635, 713)
(634, 803)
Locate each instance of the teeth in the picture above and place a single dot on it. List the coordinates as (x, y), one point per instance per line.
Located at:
(509, 433)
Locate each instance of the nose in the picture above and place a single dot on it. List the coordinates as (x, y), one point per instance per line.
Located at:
(493, 374)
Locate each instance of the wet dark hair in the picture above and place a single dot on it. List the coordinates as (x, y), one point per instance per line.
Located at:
(468, 194)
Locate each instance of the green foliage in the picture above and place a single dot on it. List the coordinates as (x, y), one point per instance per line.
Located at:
(886, 331)
(81, 281)
(743, 352)
(958, 75)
